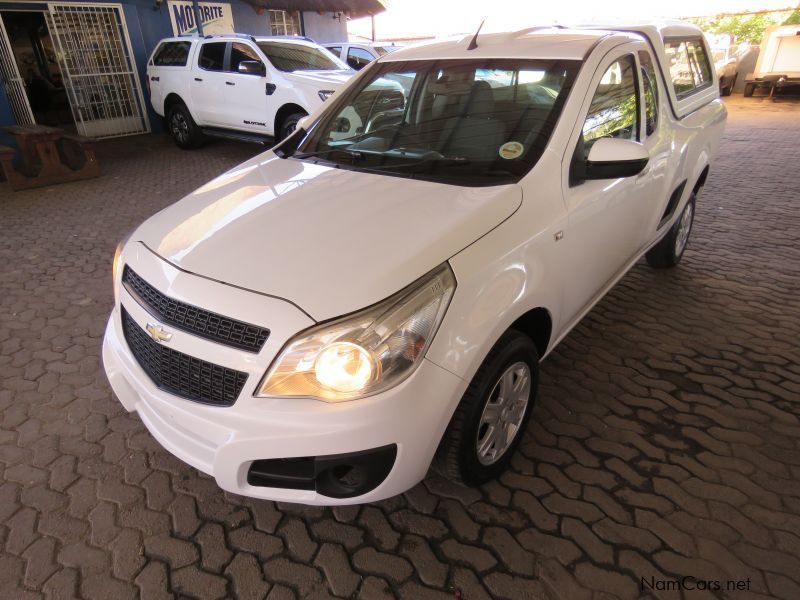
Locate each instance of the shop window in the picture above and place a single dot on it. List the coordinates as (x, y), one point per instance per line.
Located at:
(284, 22)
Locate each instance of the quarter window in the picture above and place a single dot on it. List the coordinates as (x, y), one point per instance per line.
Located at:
(212, 56)
(172, 54)
(358, 58)
(614, 111)
(240, 52)
(337, 50)
(688, 65)
(650, 86)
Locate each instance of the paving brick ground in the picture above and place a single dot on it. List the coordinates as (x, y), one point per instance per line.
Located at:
(666, 442)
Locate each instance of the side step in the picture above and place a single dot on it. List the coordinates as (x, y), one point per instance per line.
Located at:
(240, 136)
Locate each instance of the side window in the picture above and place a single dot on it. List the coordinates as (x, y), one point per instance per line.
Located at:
(240, 52)
(336, 50)
(212, 56)
(688, 65)
(172, 54)
(650, 86)
(358, 58)
(614, 111)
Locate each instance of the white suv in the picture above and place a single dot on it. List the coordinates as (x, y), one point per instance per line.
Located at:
(359, 55)
(319, 323)
(239, 85)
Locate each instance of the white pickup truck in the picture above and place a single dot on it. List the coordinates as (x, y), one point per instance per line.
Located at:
(239, 86)
(323, 321)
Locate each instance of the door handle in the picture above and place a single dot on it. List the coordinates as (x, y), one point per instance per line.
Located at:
(155, 79)
(229, 83)
(197, 79)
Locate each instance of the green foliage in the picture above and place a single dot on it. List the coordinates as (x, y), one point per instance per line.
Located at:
(794, 18)
(747, 28)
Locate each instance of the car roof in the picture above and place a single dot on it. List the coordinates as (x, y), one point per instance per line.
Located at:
(223, 37)
(545, 42)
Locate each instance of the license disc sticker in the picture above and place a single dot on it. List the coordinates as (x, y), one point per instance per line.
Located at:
(511, 150)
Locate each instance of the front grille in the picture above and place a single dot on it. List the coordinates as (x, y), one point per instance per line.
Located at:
(191, 319)
(179, 373)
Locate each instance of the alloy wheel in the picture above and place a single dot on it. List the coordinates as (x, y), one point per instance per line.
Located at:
(503, 414)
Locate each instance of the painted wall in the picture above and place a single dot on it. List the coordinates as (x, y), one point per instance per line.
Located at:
(323, 28)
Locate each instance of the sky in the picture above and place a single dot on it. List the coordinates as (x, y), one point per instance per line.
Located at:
(425, 18)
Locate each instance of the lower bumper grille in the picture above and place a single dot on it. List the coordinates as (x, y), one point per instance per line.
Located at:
(179, 373)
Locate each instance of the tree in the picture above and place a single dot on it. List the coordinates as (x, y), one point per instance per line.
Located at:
(794, 18)
(746, 28)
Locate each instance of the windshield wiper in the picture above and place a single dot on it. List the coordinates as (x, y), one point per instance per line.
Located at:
(354, 154)
(451, 161)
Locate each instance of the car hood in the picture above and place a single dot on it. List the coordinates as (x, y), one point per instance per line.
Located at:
(329, 240)
(334, 79)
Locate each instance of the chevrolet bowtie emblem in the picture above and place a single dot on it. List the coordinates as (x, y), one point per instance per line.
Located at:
(158, 333)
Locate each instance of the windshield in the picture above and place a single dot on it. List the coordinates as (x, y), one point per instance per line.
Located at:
(299, 57)
(466, 122)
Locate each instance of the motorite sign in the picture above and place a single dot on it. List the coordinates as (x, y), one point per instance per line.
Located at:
(215, 16)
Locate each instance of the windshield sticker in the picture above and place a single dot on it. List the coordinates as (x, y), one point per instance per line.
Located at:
(511, 150)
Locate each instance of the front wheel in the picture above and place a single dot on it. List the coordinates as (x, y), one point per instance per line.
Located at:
(290, 124)
(668, 252)
(488, 423)
(749, 88)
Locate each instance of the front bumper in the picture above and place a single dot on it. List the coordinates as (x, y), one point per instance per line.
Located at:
(225, 441)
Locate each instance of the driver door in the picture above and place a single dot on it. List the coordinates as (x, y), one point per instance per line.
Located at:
(607, 217)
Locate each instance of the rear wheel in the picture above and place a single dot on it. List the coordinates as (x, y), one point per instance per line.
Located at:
(726, 87)
(488, 423)
(668, 252)
(182, 128)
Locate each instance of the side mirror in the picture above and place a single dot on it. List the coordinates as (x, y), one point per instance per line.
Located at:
(252, 67)
(611, 158)
(304, 122)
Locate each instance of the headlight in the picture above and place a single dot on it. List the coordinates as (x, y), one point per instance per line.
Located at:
(325, 94)
(366, 352)
(116, 266)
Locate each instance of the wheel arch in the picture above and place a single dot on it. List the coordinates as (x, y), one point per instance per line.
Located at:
(701, 180)
(537, 324)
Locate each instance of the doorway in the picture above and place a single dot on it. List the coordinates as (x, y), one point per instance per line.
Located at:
(71, 66)
(33, 52)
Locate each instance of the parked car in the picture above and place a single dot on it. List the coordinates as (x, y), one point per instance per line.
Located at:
(239, 86)
(321, 322)
(359, 55)
(726, 62)
(778, 65)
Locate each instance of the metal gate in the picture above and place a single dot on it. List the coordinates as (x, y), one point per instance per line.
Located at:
(12, 81)
(99, 72)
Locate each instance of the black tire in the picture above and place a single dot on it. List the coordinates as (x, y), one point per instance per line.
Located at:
(184, 131)
(457, 456)
(726, 90)
(290, 124)
(749, 88)
(668, 252)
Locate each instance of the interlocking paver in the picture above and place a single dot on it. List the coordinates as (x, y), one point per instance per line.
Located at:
(665, 442)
